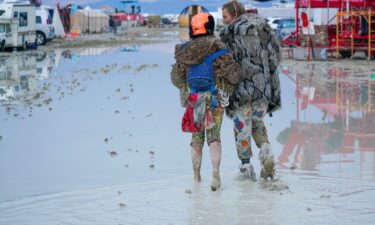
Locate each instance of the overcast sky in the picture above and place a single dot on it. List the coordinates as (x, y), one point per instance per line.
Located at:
(152, 6)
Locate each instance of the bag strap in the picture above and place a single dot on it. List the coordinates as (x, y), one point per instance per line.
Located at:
(211, 58)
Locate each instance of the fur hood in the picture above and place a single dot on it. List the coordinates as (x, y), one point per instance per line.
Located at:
(226, 69)
(194, 52)
(255, 47)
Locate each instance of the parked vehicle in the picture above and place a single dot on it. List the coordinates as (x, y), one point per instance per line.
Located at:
(273, 22)
(18, 22)
(44, 28)
(285, 27)
(5, 33)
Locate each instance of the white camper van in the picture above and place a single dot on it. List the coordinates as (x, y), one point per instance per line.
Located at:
(44, 28)
(17, 21)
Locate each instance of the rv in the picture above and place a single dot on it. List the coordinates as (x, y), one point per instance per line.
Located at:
(17, 24)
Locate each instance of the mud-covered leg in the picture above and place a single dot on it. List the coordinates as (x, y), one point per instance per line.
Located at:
(242, 133)
(259, 133)
(196, 158)
(215, 152)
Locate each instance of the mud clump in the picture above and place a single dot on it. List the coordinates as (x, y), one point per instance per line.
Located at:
(273, 186)
(112, 153)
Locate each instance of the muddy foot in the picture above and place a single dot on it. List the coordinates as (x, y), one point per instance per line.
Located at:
(268, 170)
(216, 183)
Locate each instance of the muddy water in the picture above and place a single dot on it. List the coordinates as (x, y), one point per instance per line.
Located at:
(330, 130)
(95, 117)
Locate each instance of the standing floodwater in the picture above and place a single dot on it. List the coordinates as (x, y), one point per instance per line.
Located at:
(92, 136)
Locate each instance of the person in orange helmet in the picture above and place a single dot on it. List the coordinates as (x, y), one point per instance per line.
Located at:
(203, 45)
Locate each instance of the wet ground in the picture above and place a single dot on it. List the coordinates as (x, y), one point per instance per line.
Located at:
(95, 133)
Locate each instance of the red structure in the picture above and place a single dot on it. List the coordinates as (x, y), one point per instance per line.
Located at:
(129, 11)
(354, 29)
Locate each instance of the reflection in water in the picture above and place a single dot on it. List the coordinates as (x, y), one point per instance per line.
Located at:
(131, 48)
(96, 51)
(17, 77)
(20, 73)
(344, 133)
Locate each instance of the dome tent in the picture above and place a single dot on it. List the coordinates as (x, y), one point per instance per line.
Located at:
(188, 12)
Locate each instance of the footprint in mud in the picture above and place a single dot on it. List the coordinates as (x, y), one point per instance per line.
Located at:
(325, 196)
(273, 186)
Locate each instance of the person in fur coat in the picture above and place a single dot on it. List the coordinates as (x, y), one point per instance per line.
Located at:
(253, 44)
(227, 75)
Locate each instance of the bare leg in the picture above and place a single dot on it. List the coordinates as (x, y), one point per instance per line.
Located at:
(215, 152)
(196, 158)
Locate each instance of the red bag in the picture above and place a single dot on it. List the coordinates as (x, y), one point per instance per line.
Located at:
(188, 124)
(305, 21)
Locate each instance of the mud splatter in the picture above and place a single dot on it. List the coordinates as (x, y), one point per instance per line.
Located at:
(112, 153)
(145, 67)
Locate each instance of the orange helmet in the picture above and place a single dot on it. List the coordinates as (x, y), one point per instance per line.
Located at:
(199, 23)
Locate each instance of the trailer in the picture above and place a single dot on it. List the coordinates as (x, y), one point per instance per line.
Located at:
(353, 30)
(17, 25)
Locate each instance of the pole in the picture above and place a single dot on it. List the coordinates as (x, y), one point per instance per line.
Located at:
(352, 35)
(327, 12)
(297, 25)
(338, 17)
(308, 34)
(369, 35)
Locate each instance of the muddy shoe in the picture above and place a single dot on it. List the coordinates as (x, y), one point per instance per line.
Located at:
(248, 172)
(268, 169)
(267, 162)
(216, 183)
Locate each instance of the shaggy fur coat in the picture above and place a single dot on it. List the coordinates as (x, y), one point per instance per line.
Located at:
(255, 47)
(226, 69)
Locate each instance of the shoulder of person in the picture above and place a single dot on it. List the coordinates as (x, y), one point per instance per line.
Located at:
(218, 43)
(180, 47)
(251, 20)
